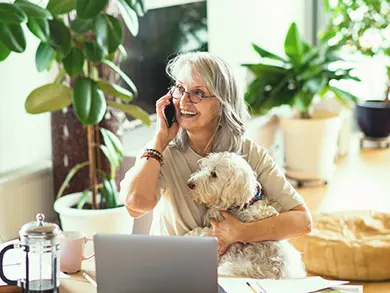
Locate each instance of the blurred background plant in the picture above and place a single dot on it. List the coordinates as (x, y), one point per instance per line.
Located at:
(295, 80)
(360, 26)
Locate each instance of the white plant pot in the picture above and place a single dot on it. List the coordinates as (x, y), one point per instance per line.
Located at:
(332, 105)
(310, 147)
(110, 221)
(265, 131)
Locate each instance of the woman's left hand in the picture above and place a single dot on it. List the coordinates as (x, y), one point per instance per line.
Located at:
(227, 231)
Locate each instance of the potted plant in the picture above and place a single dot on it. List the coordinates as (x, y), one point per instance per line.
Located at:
(84, 39)
(363, 26)
(297, 80)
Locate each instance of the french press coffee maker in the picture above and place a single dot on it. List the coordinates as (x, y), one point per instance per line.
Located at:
(40, 243)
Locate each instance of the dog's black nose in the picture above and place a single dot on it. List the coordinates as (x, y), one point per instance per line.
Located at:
(191, 185)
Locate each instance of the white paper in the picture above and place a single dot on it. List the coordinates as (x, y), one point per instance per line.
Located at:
(304, 285)
(349, 288)
(234, 285)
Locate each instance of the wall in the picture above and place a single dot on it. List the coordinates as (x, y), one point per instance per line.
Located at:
(233, 25)
(24, 138)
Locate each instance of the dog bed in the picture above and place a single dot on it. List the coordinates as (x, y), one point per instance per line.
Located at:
(351, 245)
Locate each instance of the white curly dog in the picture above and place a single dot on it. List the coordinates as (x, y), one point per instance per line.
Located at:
(226, 182)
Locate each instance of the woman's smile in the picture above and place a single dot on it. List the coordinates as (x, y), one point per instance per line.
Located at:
(185, 114)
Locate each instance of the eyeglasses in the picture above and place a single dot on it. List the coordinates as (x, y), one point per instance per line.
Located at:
(195, 96)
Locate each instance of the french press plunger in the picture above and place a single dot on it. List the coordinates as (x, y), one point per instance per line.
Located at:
(40, 243)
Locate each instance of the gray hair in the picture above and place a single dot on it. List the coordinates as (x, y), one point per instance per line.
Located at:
(221, 82)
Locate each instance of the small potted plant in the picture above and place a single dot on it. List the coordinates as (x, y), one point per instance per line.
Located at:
(84, 40)
(363, 27)
(297, 80)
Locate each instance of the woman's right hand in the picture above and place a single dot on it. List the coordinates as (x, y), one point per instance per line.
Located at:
(163, 133)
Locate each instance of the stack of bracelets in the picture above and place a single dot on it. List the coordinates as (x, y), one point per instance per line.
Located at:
(152, 153)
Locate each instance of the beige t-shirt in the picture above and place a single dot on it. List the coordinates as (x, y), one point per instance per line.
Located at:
(176, 213)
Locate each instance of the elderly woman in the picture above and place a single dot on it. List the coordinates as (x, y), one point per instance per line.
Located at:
(210, 116)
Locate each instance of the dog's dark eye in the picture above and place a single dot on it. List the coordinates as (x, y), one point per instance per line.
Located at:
(213, 174)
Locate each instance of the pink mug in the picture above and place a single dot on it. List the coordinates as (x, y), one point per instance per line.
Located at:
(72, 244)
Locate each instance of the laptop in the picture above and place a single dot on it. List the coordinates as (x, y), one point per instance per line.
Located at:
(144, 263)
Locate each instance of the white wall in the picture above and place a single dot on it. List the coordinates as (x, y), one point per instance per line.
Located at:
(233, 25)
(24, 138)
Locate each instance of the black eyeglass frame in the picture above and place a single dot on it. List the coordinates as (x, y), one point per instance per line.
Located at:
(172, 88)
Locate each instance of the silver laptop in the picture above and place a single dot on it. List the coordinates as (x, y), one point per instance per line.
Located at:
(143, 263)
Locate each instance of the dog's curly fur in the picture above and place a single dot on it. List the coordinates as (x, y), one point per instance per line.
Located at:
(225, 182)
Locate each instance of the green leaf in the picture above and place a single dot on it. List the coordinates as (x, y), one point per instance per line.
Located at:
(109, 33)
(74, 61)
(4, 52)
(316, 84)
(303, 101)
(43, 56)
(138, 6)
(112, 157)
(293, 45)
(265, 68)
(88, 101)
(94, 52)
(129, 17)
(326, 5)
(122, 52)
(265, 54)
(133, 111)
(40, 28)
(115, 90)
(58, 7)
(89, 8)
(109, 192)
(112, 142)
(60, 36)
(33, 10)
(11, 14)
(343, 96)
(125, 78)
(81, 25)
(48, 98)
(69, 177)
(83, 199)
(12, 36)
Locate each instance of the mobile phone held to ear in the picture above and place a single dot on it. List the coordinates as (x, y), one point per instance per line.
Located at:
(169, 113)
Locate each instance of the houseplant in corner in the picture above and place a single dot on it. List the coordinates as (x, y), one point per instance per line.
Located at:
(363, 26)
(297, 80)
(84, 40)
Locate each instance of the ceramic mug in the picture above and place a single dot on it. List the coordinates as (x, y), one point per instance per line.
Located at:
(72, 244)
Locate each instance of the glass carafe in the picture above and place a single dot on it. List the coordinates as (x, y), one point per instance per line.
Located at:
(40, 244)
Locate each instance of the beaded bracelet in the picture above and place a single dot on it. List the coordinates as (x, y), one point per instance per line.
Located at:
(152, 153)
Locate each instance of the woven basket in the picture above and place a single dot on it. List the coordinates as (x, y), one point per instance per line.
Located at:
(352, 245)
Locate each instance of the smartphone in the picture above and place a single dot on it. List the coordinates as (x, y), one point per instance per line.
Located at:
(170, 114)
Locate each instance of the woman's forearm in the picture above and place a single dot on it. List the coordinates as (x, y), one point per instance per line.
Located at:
(286, 225)
(141, 194)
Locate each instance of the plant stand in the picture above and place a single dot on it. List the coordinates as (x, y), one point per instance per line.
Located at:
(379, 142)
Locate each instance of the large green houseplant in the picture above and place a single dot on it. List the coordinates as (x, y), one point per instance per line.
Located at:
(363, 26)
(84, 40)
(297, 79)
